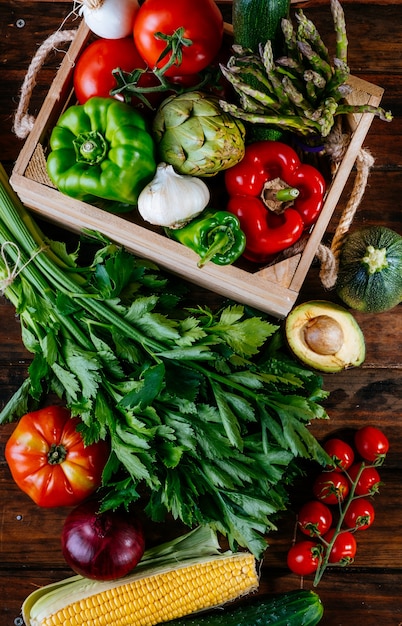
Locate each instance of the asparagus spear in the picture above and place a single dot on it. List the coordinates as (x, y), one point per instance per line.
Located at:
(304, 89)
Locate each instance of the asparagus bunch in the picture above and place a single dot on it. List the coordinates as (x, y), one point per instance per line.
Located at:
(301, 91)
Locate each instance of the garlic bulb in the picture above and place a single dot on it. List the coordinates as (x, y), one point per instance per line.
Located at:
(170, 199)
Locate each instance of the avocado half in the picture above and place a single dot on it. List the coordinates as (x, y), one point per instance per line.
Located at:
(325, 336)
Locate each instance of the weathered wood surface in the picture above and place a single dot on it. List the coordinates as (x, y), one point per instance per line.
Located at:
(369, 591)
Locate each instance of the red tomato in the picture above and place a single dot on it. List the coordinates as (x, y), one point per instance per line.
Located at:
(359, 514)
(371, 443)
(304, 557)
(49, 461)
(344, 548)
(93, 71)
(314, 518)
(368, 482)
(331, 487)
(202, 22)
(341, 452)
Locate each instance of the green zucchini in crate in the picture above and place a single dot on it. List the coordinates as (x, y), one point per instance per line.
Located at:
(370, 269)
(294, 608)
(257, 21)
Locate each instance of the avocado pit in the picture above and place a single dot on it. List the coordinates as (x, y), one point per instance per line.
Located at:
(323, 334)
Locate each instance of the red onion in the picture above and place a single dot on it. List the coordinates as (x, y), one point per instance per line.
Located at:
(102, 546)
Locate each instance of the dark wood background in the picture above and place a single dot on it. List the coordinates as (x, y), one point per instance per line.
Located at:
(369, 591)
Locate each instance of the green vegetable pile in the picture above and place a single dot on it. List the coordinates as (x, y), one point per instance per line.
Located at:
(205, 413)
(303, 90)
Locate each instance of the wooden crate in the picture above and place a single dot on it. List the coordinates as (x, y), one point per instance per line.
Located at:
(272, 289)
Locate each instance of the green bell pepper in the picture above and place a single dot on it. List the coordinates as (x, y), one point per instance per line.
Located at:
(102, 149)
(214, 235)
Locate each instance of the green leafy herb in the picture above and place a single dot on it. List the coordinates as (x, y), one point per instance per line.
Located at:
(206, 414)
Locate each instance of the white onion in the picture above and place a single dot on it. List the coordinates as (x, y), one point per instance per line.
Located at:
(110, 19)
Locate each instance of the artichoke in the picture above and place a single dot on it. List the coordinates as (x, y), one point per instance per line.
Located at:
(195, 136)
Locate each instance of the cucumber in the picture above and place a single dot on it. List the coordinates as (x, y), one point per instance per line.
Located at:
(294, 608)
(257, 21)
(370, 269)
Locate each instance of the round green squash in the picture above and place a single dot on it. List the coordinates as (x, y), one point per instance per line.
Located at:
(370, 269)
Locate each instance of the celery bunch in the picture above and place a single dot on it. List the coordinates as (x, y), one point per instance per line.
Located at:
(205, 413)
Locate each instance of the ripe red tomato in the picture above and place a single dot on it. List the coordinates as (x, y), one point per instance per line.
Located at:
(368, 482)
(341, 452)
(371, 443)
(202, 22)
(344, 548)
(93, 71)
(331, 487)
(49, 461)
(304, 557)
(314, 518)
(359, 514)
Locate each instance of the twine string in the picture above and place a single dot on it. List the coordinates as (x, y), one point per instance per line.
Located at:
(12, 271)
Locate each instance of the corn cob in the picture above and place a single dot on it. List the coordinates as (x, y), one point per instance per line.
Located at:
(161, 590)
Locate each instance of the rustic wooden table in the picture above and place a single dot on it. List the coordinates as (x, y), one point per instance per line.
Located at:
(369, 591)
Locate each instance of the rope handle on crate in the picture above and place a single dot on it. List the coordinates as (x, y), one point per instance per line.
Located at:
(23, 121)
(336, 147)
(328, 256)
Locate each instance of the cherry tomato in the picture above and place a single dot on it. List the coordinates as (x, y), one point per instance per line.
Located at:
(49, 461)
(331, 487)
(371, 443)
(202, 22)
(344, 548)
(359, 514)
(314, 518)
(369, 480)
(304, 557)
(341, 452)
(93, 71)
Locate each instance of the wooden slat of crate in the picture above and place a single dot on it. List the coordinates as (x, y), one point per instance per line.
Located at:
(273, 289)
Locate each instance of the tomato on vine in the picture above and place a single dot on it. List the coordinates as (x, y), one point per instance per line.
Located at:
(180, 37)
(331, 487)
(304, 557)
(360, 514)
(344, 547)
(341, 453)
(368, 482)
(314, 518)
(371, 443)
(93, 71)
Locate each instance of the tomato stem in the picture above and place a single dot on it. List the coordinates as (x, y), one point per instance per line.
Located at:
(343, 507)
(57, 454)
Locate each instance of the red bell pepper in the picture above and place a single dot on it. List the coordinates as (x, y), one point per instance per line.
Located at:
(275, 196)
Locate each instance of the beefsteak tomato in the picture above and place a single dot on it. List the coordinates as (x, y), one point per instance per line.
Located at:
(49, 461)
(183, 36)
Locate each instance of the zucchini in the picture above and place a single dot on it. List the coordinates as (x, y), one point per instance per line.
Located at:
(257, 21)
(370, 269)
(294, 608)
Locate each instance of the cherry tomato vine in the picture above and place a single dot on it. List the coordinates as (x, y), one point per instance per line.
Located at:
(341, 506)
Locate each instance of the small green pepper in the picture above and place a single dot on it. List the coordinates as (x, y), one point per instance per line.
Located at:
(214, 235)
(101, 149)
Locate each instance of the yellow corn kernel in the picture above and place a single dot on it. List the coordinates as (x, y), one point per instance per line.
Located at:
(150, 600)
